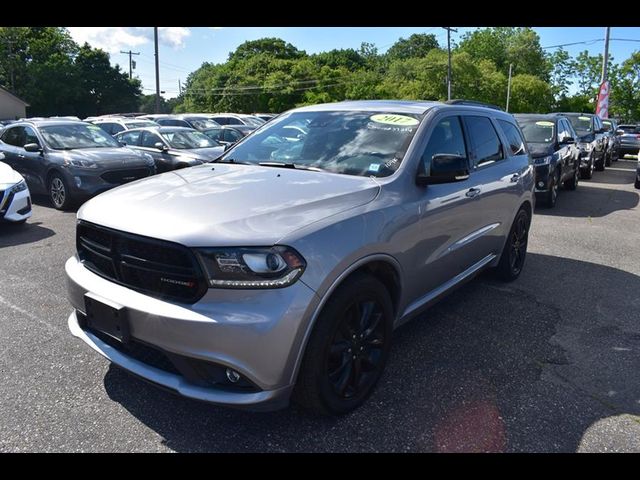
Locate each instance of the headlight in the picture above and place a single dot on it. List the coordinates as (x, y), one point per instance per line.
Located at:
(19, 187)
(585, 146)
(274, 267)
(543, 160)
(80, 163)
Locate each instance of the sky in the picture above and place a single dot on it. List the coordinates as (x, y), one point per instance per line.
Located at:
(183, 49)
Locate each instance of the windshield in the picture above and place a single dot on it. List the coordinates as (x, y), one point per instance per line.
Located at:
(582, 124)
(202, 123)
(607, 125)
(187, 139)
(352, 143)
(253, 121)
(78, 135)
(537, 131)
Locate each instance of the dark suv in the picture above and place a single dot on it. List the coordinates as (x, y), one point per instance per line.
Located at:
(551, 141)
(591, 139)
(612, 137)
(70, 160)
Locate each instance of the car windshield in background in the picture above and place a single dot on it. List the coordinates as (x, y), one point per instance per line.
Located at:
(254, 121)
(186, 139)
(202, 123)
(78, 135)
(537, 131)
(141, 124)
(352, 143)
(580, 123)
(607, 125)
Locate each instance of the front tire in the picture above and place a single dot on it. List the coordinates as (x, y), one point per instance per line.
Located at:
(600, 164)
(515, 248)
(59, 192)
(348, 348)
(572, 183)
(587, 173)
(552, 194)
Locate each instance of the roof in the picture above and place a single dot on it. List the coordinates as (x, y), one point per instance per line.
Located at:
(14, 96)
(49, 122)
(575, 113)
(159, 129)
(396, 106)
(543, 116)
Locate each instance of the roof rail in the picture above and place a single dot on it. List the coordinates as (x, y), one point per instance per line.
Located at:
(460, 101)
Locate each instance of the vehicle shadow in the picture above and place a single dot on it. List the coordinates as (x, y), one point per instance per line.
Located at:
(615, 176)
(526, 366)
(44, 201)
(12, 234)
(591, 201)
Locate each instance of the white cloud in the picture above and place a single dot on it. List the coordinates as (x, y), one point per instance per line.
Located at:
(216, 28)
(114, 39)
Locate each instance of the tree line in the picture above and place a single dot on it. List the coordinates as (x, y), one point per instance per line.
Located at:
(45, 67)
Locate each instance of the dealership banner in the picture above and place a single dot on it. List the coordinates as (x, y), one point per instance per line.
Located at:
(602, 110)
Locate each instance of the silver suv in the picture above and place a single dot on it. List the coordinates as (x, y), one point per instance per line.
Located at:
(282, 269)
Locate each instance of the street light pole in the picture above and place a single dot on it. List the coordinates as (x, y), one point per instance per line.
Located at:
(605, 61)
(448, 29)
(509, 86)
(155, 41)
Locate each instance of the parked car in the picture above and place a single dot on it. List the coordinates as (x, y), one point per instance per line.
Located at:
(70, 161)
(172, 147)
(245, 281)
(117, 125)
(591, 139)
(236, 119)
(228, 134)
(187, 121)
(629, 139)
(552, 145)
(265, 116)
(612, 141)
(15, 199)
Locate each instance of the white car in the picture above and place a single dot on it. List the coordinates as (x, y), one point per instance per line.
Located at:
(15, 200)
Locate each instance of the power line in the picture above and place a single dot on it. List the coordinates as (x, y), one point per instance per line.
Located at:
(575, 43)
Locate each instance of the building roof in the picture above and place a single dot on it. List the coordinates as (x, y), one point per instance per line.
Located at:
(2, 89)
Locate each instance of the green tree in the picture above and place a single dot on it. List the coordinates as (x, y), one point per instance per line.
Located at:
(416, 46)
(530, 94)
(274, 47)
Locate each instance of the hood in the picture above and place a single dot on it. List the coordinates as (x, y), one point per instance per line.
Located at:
(227, 205)
(540, 149)
(202, 154)
(107, 157)
(8, 176)
(586, 137)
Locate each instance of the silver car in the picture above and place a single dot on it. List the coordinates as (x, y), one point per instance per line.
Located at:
(250, 281)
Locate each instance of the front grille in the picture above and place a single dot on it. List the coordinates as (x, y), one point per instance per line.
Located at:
(158, 268)
(124, 176)
(5, 202)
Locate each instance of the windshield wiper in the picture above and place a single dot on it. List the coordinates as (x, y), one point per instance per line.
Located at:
(230, 160)
(290, 165)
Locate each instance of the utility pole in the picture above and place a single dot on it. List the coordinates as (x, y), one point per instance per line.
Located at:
(179, 87)
(605, 61)
(509, 86)
(13, 79)
(448, 29)
(155, 41)
(130, 65)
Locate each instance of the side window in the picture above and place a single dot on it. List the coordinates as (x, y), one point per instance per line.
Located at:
(130, 138)
(105, 126)
(234, 121)
(231, 136)
(485, 144)
(516, 142)
(12, 136)
(30, 136)
(220, 120)
(446, 137)
(116, 127)
(149, 140)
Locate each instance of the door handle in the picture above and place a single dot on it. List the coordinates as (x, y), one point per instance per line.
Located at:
(515, 177)
(473, 192)
(21, 156)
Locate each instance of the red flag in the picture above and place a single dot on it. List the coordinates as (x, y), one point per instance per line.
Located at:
(602, 109)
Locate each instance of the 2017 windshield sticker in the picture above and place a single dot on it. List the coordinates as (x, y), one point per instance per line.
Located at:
(374, 167)
(390, 119)
(584, 118)
(545, 124)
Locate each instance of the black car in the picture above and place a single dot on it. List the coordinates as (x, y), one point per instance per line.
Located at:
(172, 147)
(612, 138)
(552, 144)
(591, 139)
(70, 160)
(228, 134)
(629, 139)
(197, 122)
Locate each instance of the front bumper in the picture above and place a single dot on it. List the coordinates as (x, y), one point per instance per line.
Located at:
(85, 183)
(542, 178)
(15, 207)
(257, 333)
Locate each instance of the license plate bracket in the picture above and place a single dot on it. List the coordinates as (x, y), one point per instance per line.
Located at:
(107, 317)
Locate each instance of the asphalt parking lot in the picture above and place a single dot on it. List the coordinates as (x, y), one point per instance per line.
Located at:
(548, 363)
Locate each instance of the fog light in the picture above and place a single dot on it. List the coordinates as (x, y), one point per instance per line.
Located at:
(232, 375)
(540, 184)
(78, 181)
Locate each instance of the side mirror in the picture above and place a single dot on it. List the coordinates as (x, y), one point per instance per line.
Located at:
(124, 144)
(161, 146)
(619, 132)
(566, 140)
(445, 168)
(228, 146)
(32, 147)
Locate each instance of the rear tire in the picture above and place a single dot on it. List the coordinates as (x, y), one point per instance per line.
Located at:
(515, 248)
(348, 348)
